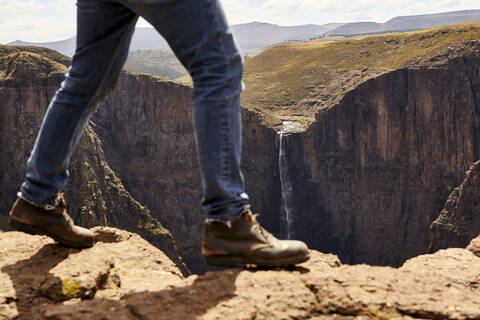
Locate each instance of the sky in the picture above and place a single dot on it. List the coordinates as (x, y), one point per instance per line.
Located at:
(51, 20)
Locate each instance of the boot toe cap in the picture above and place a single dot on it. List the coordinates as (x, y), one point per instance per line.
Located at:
(84, 238)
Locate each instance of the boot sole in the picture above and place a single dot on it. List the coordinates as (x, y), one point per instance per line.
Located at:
(19, 226)
(233, 261)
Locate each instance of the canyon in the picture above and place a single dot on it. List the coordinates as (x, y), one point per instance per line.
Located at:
(380, 148)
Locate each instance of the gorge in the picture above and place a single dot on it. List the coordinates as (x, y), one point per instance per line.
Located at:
(384, 141)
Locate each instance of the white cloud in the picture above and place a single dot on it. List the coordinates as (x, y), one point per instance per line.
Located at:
(36, 20)
(50, 20)
(356, 10)
(240, 11)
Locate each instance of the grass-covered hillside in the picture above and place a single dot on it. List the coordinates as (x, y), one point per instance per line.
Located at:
(293, 81)
(30, 63)
(44, 52)
(158, 62)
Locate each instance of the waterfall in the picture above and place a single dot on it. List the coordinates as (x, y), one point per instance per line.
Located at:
(287, 199)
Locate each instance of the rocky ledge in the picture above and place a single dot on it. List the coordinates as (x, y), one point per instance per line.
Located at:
(124, 277)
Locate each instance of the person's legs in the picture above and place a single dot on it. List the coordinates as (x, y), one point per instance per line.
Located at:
(201, 38)
(104, 30)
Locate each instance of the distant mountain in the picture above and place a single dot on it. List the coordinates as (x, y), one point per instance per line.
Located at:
(67, 47)
(143, 39)
(250, 37)
(148, 39)
(255, 36)
(406, 23)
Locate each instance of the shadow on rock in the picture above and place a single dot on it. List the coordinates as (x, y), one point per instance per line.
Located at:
(33, 284)
(186, 302)
(4, 224)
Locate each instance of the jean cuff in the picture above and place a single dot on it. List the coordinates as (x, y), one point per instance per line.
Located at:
(47, 207)
(228, 214)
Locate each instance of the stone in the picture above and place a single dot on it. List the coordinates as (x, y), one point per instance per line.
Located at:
(37, 273)
(474, 246)
(125, 277)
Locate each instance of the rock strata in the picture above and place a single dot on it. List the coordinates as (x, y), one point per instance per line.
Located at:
(124, 277)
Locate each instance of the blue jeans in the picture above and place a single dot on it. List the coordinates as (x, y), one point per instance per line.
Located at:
(201, 38)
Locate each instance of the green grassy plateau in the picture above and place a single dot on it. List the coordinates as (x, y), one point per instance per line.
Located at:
(45, 52)
(292, 81)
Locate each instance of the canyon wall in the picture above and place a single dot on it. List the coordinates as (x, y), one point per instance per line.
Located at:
(95, 195)
(374, 171)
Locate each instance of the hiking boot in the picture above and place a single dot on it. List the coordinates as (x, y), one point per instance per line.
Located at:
(55, 223)
(243, 241)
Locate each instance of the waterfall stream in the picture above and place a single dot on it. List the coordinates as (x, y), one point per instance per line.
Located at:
(287, 200)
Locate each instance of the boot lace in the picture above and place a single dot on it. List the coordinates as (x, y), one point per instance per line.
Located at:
(61, 206)
(267, 235)
(61, 202)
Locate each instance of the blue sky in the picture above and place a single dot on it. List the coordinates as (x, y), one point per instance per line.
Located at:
(50, 20)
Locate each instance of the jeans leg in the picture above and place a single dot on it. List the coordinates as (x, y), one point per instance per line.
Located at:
(199, 34)
(104, 30)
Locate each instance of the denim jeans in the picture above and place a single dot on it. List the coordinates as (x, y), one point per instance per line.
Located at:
(200, 37)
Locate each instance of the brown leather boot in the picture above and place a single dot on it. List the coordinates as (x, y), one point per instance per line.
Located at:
(55, 223)
(244, 241)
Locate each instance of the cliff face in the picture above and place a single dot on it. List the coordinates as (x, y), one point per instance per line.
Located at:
(146, 127)
(374, 171)
(27, 83)
(459, 222)
(95, 195)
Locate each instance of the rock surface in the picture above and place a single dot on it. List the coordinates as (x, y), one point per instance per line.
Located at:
(124, 277)
(36, 273)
